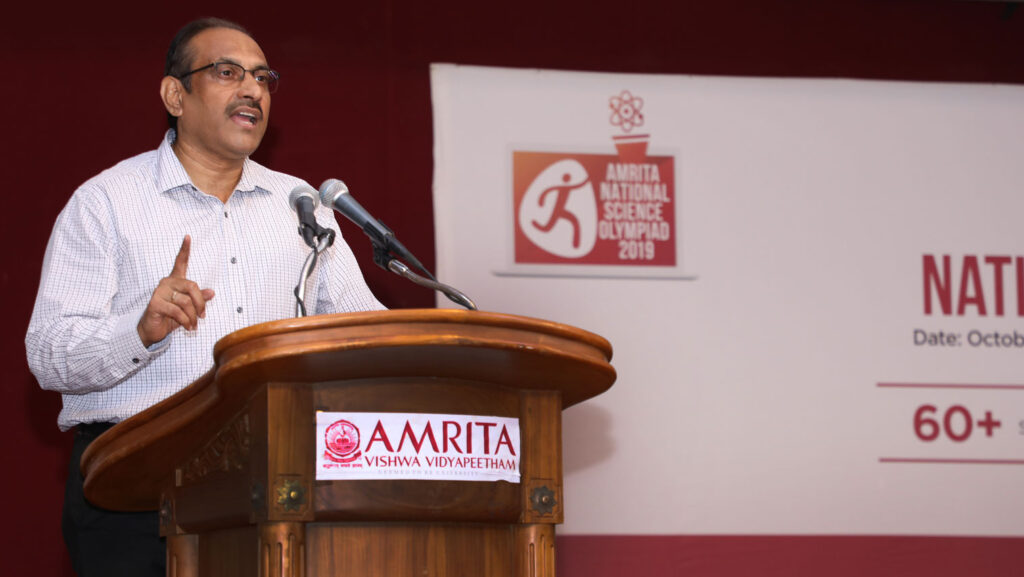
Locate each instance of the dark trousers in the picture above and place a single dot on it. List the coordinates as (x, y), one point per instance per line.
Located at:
(105, 543)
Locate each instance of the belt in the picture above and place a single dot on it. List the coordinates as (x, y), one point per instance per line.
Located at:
(94, 429)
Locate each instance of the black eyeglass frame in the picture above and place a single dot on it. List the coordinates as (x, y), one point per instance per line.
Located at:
(270, 86)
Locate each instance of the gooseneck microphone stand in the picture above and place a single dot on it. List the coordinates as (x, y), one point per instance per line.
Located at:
(323, 238)
(384, 258)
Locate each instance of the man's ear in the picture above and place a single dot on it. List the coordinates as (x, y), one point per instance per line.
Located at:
(172, 92)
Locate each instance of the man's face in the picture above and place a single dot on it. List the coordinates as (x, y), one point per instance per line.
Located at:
(224, 119)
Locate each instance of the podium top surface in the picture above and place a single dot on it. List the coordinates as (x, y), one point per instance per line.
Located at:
(125, 467)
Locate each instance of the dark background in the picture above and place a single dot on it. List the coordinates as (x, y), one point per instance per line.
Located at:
(79, 93)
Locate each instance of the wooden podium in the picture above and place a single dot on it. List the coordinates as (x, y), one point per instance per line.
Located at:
(229, 461)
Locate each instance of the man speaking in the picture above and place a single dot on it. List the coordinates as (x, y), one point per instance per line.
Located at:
(155, 259)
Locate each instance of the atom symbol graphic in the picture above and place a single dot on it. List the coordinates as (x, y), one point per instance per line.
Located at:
(626, 111)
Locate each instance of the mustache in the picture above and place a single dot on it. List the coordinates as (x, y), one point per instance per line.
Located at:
(245, 103)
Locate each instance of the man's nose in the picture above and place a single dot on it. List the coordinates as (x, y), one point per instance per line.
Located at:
(250, 88)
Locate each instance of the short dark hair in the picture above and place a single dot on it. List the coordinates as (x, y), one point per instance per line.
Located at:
(180, 56)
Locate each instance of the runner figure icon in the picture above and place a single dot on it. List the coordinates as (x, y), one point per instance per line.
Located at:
(560, 212)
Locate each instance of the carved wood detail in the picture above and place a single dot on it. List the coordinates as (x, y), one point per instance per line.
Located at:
(229, 450)
(183, 556)
(282, 550)
(535, 550)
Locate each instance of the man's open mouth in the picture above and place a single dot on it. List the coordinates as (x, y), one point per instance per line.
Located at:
(248, 116)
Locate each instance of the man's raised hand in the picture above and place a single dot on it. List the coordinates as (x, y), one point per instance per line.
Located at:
(176, 302)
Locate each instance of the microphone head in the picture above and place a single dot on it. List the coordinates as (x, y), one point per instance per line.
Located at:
(331, 189)
(303, 191)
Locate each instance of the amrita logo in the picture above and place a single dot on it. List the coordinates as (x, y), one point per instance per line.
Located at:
(558, 212)
(342, 441)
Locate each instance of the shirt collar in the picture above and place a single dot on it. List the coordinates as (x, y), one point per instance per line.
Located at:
(171, 175)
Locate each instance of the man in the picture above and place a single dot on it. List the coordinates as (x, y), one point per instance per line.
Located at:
(155, 259)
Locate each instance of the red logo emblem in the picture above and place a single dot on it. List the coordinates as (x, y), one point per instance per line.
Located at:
(597, 209)
(342, 440)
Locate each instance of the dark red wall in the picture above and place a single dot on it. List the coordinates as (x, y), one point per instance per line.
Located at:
(79, 93)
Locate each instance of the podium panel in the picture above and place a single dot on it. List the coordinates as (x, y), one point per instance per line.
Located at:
(230, 461)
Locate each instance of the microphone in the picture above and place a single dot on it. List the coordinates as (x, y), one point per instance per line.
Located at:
(304, 201)
(334, 193)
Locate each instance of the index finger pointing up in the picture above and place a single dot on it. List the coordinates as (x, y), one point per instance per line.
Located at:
(181, 261)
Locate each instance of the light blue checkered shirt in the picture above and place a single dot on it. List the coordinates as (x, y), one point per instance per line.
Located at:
(119, 235)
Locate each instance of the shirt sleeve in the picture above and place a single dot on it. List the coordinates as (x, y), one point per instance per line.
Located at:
(75, 342)
(342, 287)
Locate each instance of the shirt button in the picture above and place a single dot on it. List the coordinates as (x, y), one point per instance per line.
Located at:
(225, 214)
(233, 260)
(136, 361)
(238, 310)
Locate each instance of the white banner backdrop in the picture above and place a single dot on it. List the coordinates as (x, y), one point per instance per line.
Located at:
(780, 373)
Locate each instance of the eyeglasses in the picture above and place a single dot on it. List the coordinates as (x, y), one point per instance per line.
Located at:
(231, 73)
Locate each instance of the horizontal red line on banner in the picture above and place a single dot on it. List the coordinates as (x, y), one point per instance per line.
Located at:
(948, 386)
(787, 556)
(953, 461)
